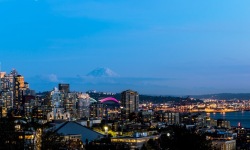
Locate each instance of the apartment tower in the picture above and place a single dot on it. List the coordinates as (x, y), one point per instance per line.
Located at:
(129, 102)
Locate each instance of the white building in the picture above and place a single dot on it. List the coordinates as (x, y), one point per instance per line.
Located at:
(56, 98)
(58, 114)
(224, 144)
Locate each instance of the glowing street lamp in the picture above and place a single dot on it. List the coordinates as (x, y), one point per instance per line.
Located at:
(106, 130)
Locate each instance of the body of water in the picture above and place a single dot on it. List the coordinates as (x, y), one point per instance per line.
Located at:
(234, 117)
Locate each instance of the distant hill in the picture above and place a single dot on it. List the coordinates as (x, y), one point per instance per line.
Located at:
(224, 96)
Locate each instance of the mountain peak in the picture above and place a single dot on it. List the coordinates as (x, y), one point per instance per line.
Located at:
(102, 72)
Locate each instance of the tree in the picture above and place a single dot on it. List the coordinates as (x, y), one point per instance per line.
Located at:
(10, 139)
(178, 138)
(52, 140)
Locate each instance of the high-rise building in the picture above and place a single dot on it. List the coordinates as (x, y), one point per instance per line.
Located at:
(64, 88)
(70, 103)
(12, 90)
(20, 80)
(7, 97)
(18, 86)
(129, 102)
(97, 110)
(7, 82)
(83, 106)
(1, 80)
(56, 98)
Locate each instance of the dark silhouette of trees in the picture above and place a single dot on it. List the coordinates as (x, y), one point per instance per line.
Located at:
(178, 138)
(10, 139)
(52, 141)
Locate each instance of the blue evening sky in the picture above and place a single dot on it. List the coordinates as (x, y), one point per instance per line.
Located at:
(156, 46)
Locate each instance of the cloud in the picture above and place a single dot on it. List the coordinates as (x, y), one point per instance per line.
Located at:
(53, 78)
(42, 83)
(122, 82)
(159, 86)
(48, 78)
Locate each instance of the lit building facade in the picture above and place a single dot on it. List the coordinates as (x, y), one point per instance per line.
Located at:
(7, 81)
(56, 98)
(129, 102)
(7, 99)
(13, 88)
(223, 123)
(224, 144)
(2, 74)
(70, 104)
(171, 118)
(18, 87)
(97, 110)
(135, 142)
(83, 104)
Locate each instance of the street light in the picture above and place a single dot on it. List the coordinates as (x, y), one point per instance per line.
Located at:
(106, 130)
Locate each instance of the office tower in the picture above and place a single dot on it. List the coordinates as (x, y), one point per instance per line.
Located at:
(2, 74)
(18, 86)
(64, 88)
(129, 102)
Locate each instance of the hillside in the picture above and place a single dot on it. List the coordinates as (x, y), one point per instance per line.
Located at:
(224, 96)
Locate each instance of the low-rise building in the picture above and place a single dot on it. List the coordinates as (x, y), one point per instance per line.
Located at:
(69, 128)
(135, 142)
(224, 144)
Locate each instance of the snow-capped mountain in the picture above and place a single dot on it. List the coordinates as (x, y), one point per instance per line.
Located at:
(102, 72)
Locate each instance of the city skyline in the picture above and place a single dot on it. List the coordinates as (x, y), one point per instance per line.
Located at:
(163, 47)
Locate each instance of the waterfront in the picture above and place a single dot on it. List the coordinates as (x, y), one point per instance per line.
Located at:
(234, 117)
